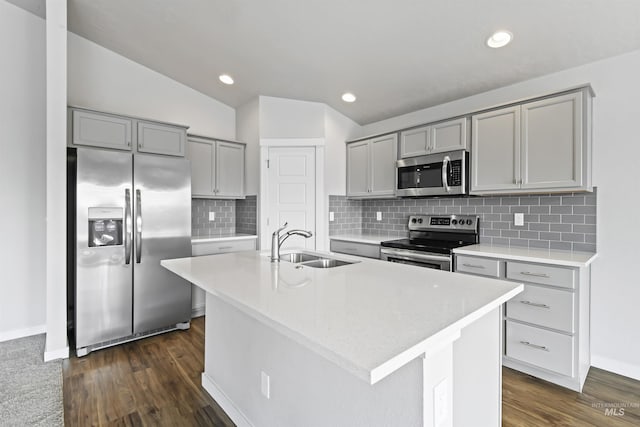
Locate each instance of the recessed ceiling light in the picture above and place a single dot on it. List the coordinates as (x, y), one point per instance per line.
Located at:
(499, 39)
(348, 97)
(226, 79)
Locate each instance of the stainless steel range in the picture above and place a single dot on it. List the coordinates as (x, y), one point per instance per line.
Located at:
(432, 239)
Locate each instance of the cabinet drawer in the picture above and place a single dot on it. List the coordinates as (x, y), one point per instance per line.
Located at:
(480, 266)
(539, 347)
(212, 248)
(359, 249)
(552, 308)
(543, 274)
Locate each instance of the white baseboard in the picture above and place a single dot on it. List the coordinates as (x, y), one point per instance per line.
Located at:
(60, 353)
(21, 333)
(198, 311)
(225, 403)
(616, 366)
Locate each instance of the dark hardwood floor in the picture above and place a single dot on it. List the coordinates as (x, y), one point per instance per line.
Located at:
(156, 381)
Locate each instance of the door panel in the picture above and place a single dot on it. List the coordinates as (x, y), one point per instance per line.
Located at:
(161, 139)
(103, 279)
(358, 169)
(160, 298)
(229, 170)
(291, 183)
(101, 130)
(447, 136)
(496, 150)
(552, 142)
(384, 153)
(201, 155)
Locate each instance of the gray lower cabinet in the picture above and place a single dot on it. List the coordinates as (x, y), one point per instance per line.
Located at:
(200, 248)
(533, 147)
(217, 168)
(369, 250)
(546, 327)
(104, 130)
(371, 167)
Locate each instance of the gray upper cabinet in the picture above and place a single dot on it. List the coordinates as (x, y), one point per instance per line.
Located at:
(449, 135)
(538, 146)
(217, 168)
(495, 155)
(552, 148)
(435, 138)
(358, 169)
(371, 167)
(96, 129)
(101, 130)
(161, 139)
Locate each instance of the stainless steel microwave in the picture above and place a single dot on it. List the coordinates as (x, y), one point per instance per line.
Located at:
(442, 174)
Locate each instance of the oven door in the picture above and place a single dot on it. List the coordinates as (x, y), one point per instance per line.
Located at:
(421, 259)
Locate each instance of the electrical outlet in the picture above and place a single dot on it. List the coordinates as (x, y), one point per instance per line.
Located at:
(518, 219)
(332, 217)
(441, 402)
(212, 216)
(378, 216)
(265, 384)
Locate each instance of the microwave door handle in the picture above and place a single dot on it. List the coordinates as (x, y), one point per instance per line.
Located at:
(445, 175)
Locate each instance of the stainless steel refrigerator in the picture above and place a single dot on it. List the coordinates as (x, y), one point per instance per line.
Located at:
(131, 211)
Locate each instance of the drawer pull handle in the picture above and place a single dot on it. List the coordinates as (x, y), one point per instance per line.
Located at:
(537, 347)
(222, 248)
(535, 304)
(473, 265)
(528, 273)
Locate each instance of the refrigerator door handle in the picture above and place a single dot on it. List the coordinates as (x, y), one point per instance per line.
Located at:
(127, 226)
(138, 227)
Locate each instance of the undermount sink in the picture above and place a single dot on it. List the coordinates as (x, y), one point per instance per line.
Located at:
(297, 257)
(314, 261)
(326, 263)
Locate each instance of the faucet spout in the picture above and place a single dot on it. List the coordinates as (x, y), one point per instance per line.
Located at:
(277, 240)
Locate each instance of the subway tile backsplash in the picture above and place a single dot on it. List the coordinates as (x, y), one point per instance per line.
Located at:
(555, 221)
(246, 215)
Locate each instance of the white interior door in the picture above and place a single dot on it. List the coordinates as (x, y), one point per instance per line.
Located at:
(291, 179)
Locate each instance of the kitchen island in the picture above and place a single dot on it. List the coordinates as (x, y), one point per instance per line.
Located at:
(368, 343)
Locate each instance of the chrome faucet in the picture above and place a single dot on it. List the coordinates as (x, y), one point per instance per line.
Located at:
(277, 240)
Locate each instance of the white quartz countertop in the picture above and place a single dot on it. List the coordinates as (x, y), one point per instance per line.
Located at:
(370, 317)
(374, 239)
(546, 256)
(223, 238)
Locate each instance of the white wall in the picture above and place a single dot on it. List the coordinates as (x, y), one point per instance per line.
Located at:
(56, 256)
(615, 337)
(338, 129)
(248, 131)
(290, 118)
(22, 172)
(103, 80)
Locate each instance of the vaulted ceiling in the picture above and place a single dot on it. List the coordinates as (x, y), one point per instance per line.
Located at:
(396, 56)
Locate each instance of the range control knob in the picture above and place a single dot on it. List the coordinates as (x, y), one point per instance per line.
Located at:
(419, 220)
(413, 220)
(469, 222)
(454, 221)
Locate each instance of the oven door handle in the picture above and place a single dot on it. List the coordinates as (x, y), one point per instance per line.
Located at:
(413, 255)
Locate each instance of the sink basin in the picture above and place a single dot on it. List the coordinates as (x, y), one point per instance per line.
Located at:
(297, 257)
(326, 263)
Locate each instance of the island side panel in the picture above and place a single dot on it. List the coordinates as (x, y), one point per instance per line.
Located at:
(477, 373)
(305, 388)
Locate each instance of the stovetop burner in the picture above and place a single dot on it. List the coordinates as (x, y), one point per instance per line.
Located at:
(438, 233)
